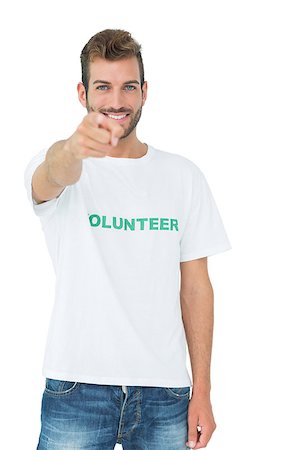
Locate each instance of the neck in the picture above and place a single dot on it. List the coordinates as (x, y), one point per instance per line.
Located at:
(129, 147)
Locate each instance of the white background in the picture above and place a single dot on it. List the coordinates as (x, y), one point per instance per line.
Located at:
(223, 91)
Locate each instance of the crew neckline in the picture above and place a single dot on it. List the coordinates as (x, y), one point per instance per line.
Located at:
(130, 161)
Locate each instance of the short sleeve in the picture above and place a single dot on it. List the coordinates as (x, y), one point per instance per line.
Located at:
(45, 208)
(204, 233)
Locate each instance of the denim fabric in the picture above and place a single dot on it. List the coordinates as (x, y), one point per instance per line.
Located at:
(91, 416)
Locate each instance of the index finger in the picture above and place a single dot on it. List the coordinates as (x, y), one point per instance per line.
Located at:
(203, 439)
(102, 121)
(94, 118)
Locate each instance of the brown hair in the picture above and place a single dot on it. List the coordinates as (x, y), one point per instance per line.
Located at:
(111, 44)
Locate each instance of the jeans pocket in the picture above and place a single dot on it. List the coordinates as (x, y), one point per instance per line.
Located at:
(178, 392)
(60, 387)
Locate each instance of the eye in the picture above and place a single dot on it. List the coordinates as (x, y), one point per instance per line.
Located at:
(131, 87)
(99, 88)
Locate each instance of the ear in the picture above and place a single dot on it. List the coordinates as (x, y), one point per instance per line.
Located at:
(144, 92)
(81, 94)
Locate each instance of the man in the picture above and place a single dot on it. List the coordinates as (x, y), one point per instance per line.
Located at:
(120, 219)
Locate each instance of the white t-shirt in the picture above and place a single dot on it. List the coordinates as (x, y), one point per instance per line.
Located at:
(116, 239)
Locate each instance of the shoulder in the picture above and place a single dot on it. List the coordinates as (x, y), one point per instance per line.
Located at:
(178, 162)
(36, 159)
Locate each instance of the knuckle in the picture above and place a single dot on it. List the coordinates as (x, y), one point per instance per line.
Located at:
(81, 140)
(81, 128)
(213, 426)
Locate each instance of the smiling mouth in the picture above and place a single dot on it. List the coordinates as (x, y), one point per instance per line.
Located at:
(116, 116)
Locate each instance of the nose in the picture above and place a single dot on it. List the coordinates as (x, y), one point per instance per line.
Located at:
(116, 100)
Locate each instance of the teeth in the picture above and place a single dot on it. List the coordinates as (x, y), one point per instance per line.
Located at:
(116, 117)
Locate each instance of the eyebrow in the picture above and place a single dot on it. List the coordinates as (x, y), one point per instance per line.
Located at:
(108, 82)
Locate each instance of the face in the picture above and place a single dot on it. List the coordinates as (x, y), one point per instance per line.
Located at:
(115, 88)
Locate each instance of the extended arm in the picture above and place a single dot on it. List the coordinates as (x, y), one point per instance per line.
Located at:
(95, 136)
(59, 169)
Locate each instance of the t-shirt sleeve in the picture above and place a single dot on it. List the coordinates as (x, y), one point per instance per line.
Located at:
(204, 233)
(45, 208)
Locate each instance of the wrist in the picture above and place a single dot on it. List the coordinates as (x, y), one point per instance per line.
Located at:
(201, 389)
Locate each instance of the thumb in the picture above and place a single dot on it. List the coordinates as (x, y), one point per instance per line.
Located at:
(117, 132)
(192, 435)
(191, 443)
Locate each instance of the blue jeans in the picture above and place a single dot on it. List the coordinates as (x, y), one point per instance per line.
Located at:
(97, 416)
